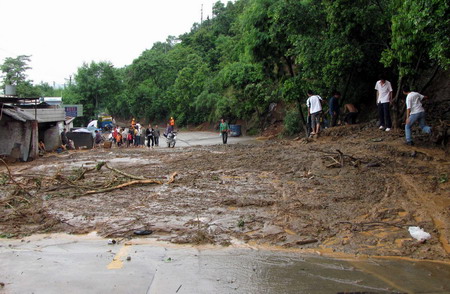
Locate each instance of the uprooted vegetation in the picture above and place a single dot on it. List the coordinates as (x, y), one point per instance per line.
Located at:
(352, 190)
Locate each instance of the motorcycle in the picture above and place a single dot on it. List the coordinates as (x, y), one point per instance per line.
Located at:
(171, 139)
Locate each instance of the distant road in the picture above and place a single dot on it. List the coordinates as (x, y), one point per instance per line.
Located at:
(204, 138)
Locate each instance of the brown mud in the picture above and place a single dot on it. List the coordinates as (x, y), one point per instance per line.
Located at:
(354, 190)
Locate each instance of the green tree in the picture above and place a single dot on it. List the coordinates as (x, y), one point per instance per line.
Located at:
(95, 85)
(14, 69)
(420, 38)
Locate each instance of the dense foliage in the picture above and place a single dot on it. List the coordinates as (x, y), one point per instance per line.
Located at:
(256, 52)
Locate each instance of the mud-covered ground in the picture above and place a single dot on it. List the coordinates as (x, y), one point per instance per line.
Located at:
(289, 193)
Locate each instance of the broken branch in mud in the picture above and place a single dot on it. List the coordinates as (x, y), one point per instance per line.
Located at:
(339, 158)
(131, 183)
(135, 182)
(124, 173)
(304, 242)
(14, 181)
(172, 178)
(335, 163)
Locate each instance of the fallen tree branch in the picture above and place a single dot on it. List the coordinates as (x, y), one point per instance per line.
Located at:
(304, 242)
(124, 173)
(14, 181)
(172, 178)
(131, 183)
(135, 182)
(85, 171)
(334, 163)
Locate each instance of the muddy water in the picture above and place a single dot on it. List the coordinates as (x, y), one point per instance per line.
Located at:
(254, 271)
(45, 263)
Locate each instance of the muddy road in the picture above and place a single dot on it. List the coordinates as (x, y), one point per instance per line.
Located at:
(353, 191)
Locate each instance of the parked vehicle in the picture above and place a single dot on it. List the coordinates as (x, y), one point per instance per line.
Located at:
(171, 139)
(106, 123)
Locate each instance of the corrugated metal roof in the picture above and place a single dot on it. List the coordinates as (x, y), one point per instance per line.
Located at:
(48, 114)
(17, 114)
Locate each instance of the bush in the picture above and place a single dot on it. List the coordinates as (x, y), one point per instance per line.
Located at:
(292, 123)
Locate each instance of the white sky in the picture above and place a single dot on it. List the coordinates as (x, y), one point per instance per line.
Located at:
(60, 35)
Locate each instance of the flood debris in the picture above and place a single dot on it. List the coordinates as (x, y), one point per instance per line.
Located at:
(143, 232)
(305, 242)
(112, 242)
(266, 193)
(419, 234)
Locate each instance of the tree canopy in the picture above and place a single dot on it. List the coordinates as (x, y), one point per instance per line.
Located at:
(252, 53)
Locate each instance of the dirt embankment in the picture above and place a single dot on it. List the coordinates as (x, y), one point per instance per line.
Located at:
(354, 190)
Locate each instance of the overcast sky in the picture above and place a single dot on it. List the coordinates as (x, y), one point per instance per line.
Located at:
(60, 35)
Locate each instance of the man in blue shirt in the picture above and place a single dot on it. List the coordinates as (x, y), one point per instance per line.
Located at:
(334, 108)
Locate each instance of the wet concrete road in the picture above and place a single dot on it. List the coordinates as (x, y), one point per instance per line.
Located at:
(87, 264)
(204, 138)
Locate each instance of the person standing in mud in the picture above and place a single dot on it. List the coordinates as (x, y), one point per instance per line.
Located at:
(172, 123)
(124, 136)
(384, 99)
(224, 129)
(114, 135)
(167, 130)
(119, 138)
(98, 138)
(137, 136)
(64, 139)
(334, 108)
(352, 113)
(142, 131)
(314, 104)
(130, 138)
(414, 112)
(150, 136)
(156, 135)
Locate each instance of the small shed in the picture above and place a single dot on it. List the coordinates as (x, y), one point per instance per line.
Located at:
(51, 123)
(19, 131)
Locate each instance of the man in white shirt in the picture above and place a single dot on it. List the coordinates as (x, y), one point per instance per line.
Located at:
(414, 112)
(384, 98)
(314, 104)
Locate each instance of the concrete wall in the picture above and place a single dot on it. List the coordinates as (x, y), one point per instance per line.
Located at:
(14, 132)
(52, 138)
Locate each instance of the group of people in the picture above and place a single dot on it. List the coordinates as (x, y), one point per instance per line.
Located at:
(318, 120)
(414, 110)
(139, 136)
(136, 135)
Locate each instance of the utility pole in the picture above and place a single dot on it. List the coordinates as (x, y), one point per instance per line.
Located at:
(201, 15)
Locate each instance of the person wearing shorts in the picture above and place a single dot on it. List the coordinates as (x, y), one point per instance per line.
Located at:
(314, 104)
